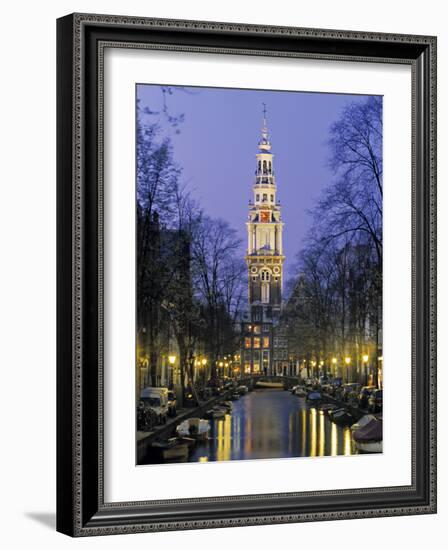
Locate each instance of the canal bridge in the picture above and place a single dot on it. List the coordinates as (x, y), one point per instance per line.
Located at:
(286, 381)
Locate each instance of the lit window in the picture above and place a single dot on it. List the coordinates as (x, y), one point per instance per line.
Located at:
(265, 342)
(247, 342)
(256, 342)
(257, 329)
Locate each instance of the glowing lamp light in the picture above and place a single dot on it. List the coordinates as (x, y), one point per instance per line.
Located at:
(365, 358)
(348, 360)
(171, 359)
(204, 362)
(334, 360)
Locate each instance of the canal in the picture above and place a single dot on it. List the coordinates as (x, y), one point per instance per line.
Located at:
(268, 423)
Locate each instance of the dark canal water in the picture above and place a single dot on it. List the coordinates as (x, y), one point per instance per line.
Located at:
(272, 424)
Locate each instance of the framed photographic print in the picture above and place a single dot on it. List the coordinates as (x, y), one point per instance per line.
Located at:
(246, 274)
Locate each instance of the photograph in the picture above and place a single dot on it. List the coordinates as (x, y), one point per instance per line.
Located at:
(258, 274)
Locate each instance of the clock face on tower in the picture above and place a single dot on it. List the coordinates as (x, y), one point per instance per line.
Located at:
(265, 216)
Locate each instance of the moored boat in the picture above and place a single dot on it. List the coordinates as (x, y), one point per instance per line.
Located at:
(216, 412)
(369, 437)
(197, 428)
(327, 407)
(363, 421)
(314, 396)
(341, 416)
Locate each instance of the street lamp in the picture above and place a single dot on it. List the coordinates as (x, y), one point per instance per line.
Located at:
(365, 360)
(171, 361)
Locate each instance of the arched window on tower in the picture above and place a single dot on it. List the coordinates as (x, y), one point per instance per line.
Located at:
(259, 165)
(270, 167)
(265, 170)
(265, 275)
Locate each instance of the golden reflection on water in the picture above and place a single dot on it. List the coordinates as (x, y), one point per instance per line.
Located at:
(313, 420)
(273, 425)
(303, 428)
(347, 441)
(334, 440)
(321, 434)
(224, 438)
(248, 436)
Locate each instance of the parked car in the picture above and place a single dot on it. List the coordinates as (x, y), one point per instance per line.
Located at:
(375, 402)
(363, 396)
(172, 403)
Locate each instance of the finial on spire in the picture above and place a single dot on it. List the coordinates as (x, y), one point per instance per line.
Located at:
(264, 144)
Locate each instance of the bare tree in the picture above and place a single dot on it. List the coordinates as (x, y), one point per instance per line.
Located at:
(337, 296)
(218, 283)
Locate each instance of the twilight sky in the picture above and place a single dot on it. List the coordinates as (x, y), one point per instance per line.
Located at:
(217, 144)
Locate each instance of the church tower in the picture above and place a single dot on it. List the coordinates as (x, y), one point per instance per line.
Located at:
(264, 259)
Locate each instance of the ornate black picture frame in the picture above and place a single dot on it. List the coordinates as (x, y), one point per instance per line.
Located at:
(81, 509)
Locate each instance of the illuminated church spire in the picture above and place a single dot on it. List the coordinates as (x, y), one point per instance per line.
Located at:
(265, 247)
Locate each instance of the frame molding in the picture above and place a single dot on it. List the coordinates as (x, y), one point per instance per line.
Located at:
(81, 39)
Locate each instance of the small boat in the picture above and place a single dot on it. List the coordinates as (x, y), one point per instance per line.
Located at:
(363, 421)
(216, 412)
(369, 438)
(300, 392)
(188, 441)
(341, 416)
(242, 390)
(227, 405)
(234, 396)
(314, 396)
(171, 448)
(273, 385)
(327, 407)
(197, 428)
